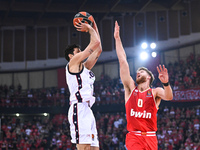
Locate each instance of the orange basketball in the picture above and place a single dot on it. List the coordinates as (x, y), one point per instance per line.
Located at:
(84, 17)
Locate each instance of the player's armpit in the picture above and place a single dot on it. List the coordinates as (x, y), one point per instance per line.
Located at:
(128, 90)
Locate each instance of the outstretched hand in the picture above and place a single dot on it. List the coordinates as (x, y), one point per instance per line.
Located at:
(163, 74)
(80, 26)
(116, 32)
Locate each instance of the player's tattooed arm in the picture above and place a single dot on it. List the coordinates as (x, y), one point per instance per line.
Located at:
(90, 51)
(97, 57)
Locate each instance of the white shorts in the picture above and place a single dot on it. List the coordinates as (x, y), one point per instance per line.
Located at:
(82, 124)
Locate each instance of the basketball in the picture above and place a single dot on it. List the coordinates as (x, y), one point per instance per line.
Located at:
(84, 17)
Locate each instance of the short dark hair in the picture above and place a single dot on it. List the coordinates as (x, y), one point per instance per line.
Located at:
(149, 72)
(70, 49)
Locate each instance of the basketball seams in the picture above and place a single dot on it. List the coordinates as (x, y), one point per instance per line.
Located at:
(84, 17)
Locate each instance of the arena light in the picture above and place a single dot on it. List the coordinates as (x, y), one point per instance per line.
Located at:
(144, 45)
(154, 54)
(17, 114)
(153, 45)
(143, 55)
(45, 114)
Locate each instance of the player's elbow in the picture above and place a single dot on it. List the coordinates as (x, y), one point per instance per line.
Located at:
(99, 50)
(96, 44)
(169, 97)
(123, 61)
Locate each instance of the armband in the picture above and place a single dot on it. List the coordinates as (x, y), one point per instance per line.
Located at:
(165, 84)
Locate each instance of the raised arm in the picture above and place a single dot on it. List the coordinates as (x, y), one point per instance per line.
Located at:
(166, 93)
(92, 59)
(92, 46)
(127, 80)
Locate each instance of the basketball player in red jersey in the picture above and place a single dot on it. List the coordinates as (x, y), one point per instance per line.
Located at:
(141, 102)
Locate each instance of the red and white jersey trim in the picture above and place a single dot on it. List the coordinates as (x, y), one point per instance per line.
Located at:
(141, 133)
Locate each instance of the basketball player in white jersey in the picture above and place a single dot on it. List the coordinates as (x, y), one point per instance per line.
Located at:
(80, 81)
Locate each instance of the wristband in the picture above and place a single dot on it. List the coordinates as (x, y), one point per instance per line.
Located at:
(165, 84)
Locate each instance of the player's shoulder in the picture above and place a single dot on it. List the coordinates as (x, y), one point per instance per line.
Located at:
(157, 90)
(66, 66)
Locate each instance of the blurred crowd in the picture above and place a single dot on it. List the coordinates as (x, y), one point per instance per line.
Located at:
(178, 129)
(33, 97)
(183, 75)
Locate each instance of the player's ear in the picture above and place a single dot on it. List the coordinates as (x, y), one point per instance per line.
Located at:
(70, 55)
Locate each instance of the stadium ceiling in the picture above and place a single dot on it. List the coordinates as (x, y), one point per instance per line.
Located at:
(60, 12)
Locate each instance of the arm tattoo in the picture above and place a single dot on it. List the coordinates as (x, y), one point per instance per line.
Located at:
(97, 57)
(90, 51)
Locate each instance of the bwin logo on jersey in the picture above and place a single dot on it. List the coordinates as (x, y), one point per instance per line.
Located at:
(143, 114)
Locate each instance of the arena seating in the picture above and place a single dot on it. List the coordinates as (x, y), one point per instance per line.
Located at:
(178, 127)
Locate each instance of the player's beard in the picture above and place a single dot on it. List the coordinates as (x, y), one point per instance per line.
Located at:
(142, 79)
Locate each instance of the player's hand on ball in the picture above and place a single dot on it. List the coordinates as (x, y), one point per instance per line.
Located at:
(82, 26)
(84, 17)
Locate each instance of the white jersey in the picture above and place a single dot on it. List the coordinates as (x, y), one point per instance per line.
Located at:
(81, 85)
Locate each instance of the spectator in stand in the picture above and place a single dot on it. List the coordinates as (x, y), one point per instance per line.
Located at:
(59, 144)
(194, 76)
(115, 142)
(28, 131)
(4, 145)
(68, 143)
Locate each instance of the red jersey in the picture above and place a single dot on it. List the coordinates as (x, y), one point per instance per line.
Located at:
(141, 111)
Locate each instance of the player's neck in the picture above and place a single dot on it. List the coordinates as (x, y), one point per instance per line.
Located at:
(143, 86)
